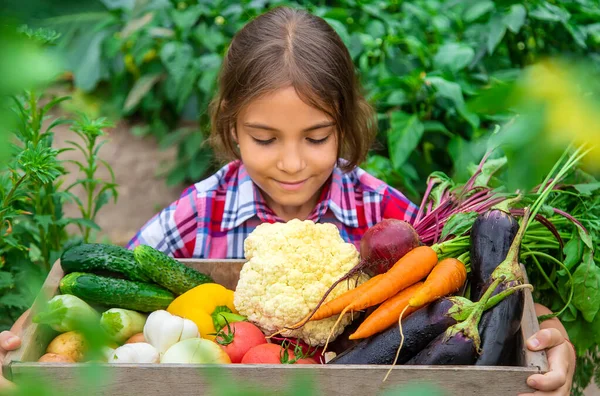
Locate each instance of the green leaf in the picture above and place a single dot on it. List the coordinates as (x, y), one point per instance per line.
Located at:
(447, 89)
(454, 56)
(403, 137)
(478, 9)
(549, 12)
(87, 58)
(515, 18)
(397, 98)
(376, 28)
(102, 200)
(573, 251)
(176, 57)
(7, 281)
(458, 224)
(489, 169)
(587, 189)
(44, 221)
(496, 31)
(340, 29)
(186, 19)
(436, 126)
(14, 300)
(141, 87)
(586, 281)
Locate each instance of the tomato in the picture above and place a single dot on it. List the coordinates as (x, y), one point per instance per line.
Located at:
(273, 354)
(263, 354)
(238, 338)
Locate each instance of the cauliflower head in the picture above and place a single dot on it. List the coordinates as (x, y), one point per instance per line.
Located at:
(289, 268)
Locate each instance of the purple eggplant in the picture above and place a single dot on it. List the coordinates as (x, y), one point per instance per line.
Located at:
(420, 328)
(491, 236)
(500, 325)
(499, 329)
(460, 343)
(454, 350)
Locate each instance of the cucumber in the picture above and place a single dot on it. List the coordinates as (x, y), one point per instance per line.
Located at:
(116, 293)
(168, 272)
(102, 259)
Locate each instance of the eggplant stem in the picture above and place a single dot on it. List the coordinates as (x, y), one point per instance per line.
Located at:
(469, 326)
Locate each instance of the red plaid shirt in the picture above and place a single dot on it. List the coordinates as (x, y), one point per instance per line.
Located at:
(212, 218)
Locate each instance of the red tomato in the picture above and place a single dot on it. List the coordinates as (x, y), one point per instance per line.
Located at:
(273, 354)
(263, 354)
(243, 336)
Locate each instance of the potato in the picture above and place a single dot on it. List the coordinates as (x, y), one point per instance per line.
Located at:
(139, 337)
(55, 358)
(71, 344)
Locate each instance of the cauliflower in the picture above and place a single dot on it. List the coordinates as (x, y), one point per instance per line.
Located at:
(289, 268)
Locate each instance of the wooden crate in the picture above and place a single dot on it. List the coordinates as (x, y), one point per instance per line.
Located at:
(150, 379)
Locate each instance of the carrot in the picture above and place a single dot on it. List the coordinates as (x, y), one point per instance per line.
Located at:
(338, 304)
(334, 306)
(447, 277)
(386, 314)
(411, 268)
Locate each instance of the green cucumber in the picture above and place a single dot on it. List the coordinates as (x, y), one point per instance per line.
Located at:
(116, 293)
(102, 259)
(168, 272)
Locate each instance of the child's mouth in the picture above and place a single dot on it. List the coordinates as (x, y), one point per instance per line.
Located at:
(291, 186)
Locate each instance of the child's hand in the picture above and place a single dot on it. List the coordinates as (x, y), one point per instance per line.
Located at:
(561, 358)
(8, 342)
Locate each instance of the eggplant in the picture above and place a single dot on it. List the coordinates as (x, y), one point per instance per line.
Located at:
(419, 329)
(499, 329)
(500, 325)
(455, 350)
(460, 343)
(491, 237)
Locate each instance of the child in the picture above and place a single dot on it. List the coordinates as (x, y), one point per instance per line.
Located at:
(290, 113)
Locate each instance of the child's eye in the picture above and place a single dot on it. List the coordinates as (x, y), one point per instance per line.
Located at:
(318, 141)
(264, 142)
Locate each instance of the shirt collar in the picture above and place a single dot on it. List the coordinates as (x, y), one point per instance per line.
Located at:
(243, 200)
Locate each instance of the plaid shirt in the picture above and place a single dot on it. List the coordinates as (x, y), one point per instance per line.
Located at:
(212, 218)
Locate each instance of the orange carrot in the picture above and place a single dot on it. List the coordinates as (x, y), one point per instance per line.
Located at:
(447, 277)
(338, 304)
(411, 268)
(386, 314)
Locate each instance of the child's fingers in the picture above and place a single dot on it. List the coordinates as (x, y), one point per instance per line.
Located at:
(8, 342)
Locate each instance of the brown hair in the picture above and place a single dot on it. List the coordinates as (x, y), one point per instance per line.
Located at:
(286, 47)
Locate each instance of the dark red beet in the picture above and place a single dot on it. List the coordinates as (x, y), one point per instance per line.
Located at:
(385, 243)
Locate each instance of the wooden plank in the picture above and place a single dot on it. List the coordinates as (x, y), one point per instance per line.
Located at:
(224, 272)
(35, 338)
(329, 380)
(530, 326)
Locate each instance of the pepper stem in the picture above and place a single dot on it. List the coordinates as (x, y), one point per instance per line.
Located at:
(222, 315)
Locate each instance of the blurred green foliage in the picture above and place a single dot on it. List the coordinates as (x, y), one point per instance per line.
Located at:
(33, 226)
(420, 61)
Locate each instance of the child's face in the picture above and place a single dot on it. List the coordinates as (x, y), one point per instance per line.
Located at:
(289, 149)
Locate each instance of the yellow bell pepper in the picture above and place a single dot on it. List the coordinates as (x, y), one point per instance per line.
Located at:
(209, 305)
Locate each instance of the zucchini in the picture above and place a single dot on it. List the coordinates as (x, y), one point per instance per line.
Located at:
(116, 293)
(168, 272)
(102, 259)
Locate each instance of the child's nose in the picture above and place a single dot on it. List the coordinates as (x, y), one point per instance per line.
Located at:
(290, 160)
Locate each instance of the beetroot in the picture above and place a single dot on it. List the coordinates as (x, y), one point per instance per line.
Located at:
(385, 243)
